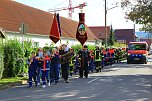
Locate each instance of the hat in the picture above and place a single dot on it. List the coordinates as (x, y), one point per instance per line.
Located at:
(85, 46)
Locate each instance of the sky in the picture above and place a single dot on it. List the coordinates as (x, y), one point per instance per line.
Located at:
(94, 11)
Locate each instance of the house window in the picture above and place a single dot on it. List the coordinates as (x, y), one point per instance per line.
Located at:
(36, 44)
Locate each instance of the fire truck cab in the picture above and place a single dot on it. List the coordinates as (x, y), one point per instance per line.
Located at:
(137, 52)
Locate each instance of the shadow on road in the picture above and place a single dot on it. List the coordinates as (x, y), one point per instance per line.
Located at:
(104, 86)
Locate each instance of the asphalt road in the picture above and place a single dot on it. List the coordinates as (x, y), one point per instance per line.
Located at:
(121, 82)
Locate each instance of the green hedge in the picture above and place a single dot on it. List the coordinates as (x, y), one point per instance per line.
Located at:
(15, 58)
(79, 47)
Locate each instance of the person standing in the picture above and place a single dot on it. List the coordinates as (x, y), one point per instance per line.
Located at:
(39, 64)
(85, 58)
(45, 70)
(111, 56)
(97, 57)
(64, 66)
(32, 62)
(54, 68)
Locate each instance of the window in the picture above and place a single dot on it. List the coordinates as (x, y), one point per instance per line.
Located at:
(137, 46)
(36, 44)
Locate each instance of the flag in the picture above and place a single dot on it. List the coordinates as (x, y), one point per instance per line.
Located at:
(58, 19)
(55, 33)
(81, 34)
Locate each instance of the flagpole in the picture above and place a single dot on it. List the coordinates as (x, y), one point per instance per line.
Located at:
(81, 10)
(60, 42)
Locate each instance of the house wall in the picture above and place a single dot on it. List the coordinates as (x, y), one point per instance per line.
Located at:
(44, 40)
(125, 35)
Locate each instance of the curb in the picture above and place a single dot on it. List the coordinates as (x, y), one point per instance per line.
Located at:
(3, 87)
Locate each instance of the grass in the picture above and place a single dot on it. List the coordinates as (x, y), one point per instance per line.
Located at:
(7, 81)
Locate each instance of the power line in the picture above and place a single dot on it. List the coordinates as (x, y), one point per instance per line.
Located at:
(60, 3)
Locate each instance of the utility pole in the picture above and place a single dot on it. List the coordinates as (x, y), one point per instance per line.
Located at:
(135, 32)
(23, 31)
(106, 10)
(105, 23)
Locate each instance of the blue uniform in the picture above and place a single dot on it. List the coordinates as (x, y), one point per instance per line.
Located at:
(54, 69)
(45, 70)
(32, 71)
(40, 65)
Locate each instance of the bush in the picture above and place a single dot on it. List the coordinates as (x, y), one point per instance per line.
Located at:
(14, 57)
(10, 54)
(91, 47)
(119, 45)
(79, 47)
(76, 48)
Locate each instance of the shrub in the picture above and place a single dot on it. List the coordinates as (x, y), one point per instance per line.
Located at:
(14, 57)
(119, 44)
(76, 47)
(79, 47)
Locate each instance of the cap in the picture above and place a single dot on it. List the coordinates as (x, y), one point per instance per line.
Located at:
(85, 46)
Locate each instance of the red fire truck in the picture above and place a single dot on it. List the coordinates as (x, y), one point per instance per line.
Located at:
(137, 52)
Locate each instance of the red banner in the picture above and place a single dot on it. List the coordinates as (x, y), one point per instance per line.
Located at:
(81, 34)
(55, 33)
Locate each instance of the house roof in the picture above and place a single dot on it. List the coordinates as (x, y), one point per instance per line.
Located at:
(125, 34)
(99, 31)
(13, 14)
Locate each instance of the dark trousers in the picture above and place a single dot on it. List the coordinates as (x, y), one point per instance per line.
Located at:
(32, 74)
(111, 61)
(38, 74)
(54, 73)
(65, 71)
(45, 76)
(84, 69)
(98, 64)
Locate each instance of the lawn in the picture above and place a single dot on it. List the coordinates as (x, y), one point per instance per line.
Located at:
(7, 81)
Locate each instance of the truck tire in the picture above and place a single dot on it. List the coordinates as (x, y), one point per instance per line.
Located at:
(145, 62)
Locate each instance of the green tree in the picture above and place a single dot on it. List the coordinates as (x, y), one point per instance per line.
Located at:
(111, 39)
(140, 12)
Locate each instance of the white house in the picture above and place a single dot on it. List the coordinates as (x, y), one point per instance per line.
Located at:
(38, 24)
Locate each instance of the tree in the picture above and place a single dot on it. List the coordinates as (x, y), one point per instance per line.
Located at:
(111, 37)
(140, 12)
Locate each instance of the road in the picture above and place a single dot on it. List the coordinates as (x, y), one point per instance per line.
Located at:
(121, 82)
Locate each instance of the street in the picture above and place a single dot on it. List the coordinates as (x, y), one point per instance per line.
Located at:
(121, 82)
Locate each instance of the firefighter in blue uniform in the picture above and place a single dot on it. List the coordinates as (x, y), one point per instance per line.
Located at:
(32, 69)
(39, 65)
(76, 64)
(45, 70)
(85, 58)
(54, 68)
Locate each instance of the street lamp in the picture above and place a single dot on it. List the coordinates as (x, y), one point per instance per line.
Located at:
(106, 10)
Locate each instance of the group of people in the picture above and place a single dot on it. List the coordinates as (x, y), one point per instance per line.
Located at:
(47, 66)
